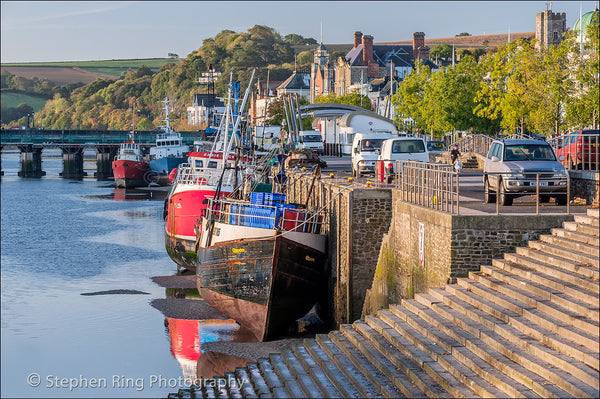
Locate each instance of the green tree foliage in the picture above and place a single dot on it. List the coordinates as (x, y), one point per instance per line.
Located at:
(463, 34)
(441, 51)
(297, 40)
(355, 99)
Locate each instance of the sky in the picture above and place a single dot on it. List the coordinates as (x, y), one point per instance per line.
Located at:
(42, 31)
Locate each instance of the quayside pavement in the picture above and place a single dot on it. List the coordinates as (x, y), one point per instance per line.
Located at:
(525, 326)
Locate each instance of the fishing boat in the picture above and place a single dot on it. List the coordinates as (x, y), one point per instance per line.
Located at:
(206, 175)
(129, 166)
(261, 262)
(169, 151)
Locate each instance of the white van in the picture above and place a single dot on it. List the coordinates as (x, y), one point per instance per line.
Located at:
(266, 138)
(310, 140)
(365, 151)
(402, 149)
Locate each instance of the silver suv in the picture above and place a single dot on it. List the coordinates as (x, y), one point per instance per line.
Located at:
(512, 165)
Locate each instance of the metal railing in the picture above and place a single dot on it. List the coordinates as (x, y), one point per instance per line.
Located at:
(540, 197)
(188, 174)
(577, 150)
(434, 186)
(476, 143)
(284, 217)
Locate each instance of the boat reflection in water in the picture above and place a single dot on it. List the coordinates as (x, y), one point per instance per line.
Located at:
(187, 338)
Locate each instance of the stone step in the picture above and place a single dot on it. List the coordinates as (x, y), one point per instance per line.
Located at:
(464, 365)
(269, 375)
(234, 389)
(522, 280)
(221, 387)
(552, 310)
(353, 373)
(571, 245)
(548, 338)
(587, 271)
(241, 374)
(567, 276)
(576, 378)
(258, 382)
(375, 376)
(304, 380)
(582, 228)
(316, 373)
(342, 383)
(564, 252)
(577, 236)
(424, 373)
(505, 301)
(512, 264)
(407, 375)
(589, 220)
(593, 212)
(285, 376)
(515, 372)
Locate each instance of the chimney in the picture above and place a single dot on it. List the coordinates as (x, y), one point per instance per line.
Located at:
(418, 42)
(357, 39)
(367, 49)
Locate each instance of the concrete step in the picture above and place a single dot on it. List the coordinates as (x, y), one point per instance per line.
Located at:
(572, 245)
(564, 252)
(464, 365)
(547, 337)
(258, 382)
(587, 271)
(588, 220)
(221, 387)
(582, 228)
(353, 373)
(304, 380)
(517, 378)
(571, 279)
(552, 310)
(315, 372)
(507, 302)
(593, 212)
(523, 281)
(416, 379)
(577, 236)
(380, 380)
(272, 378)
(512, 264)
(234, 389)
(241, 374)
(342, 383)
(575, 378)
(285, 376)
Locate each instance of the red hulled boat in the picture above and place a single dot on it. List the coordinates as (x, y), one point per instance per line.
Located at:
(129, 167)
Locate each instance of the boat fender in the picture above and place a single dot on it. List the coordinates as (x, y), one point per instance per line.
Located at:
(200, 180)
(172, 175)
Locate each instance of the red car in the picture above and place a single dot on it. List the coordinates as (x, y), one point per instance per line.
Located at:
(579, 149)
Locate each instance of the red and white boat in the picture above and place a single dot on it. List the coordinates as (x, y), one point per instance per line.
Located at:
(206, 175)
(129, 167)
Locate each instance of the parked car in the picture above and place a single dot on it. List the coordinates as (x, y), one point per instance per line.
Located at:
(511, 167)
(579, 149)
(401, 149)
(365, 151)
(435, 148)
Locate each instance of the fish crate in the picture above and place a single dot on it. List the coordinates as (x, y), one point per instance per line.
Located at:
(301, 221)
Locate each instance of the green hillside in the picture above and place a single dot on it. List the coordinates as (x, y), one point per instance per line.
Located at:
(14, 99)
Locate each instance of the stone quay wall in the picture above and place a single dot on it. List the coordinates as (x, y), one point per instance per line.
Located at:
(426, 248)
(585, 184)
(356, 220)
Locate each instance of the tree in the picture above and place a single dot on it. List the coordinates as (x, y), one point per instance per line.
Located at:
(409, 99)
(355, 99)
(463, 34)
(297, 40)
(441, 51)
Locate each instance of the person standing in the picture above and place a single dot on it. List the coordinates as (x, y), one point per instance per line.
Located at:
(454, 153)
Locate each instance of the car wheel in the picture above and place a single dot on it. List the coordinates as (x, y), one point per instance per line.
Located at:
(490, 196)
(505, 198)
(544, 198)
(561, 199)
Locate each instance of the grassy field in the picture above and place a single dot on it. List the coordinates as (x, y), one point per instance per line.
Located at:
(154, 63)
(14, 99)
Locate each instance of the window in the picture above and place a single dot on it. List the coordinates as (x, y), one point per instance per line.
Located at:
(528, 152)
(407, 146)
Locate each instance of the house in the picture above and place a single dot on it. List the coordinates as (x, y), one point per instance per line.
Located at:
(298, 83)
(204, 110)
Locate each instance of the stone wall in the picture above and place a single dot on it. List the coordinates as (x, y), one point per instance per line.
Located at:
(585, 184)
(452, 247)
(356, 220)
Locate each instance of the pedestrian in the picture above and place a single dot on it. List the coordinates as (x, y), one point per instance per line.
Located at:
(454, 153)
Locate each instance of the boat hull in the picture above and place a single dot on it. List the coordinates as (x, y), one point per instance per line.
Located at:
(265, 285)
(130, 174)
(161, 167)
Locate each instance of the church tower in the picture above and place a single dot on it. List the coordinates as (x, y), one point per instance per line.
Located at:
(549, 28)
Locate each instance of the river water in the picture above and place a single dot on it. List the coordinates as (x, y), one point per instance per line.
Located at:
(77, 320)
